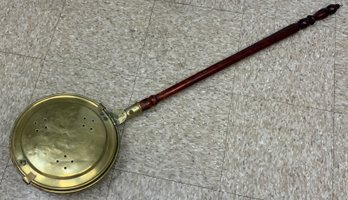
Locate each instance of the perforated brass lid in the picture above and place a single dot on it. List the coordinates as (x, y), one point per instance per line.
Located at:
(64, 143)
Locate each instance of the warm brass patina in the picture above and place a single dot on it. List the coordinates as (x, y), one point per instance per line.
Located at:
(64, 143)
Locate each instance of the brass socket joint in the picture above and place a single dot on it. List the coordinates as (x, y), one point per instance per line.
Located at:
(121, 115)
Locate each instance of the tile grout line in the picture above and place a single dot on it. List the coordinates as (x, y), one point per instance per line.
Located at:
(42, 59)
(225, 142)
(256, 97)
(152, 79)
(197, 6)
(231, 103)
(137, 76)
(131, 95)
(282, 102)
(252, 198)
(110, 182)
(22, 55)
(182, 183)
(233, 94)
(142, 49)
(48, 49)
(165, 179)
(9, 145)
(146, 34)
(55, 29)
(228, 128)
(3, 174)
(239, 94)
(333, 116)
(7, 163)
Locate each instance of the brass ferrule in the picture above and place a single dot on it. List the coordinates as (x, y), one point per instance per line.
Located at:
(122, 115)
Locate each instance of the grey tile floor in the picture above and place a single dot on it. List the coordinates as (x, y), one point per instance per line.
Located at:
(273, 127)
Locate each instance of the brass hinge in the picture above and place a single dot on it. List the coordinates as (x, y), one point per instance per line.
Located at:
(29, 177)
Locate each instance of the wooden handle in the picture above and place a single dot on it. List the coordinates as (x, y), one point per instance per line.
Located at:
(258, 46)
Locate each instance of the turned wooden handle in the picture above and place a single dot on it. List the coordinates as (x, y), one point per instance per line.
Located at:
(262, 44)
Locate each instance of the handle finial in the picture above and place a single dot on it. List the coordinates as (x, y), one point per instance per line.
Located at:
(319, 15)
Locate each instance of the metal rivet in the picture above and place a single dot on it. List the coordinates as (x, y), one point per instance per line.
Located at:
(23, 162)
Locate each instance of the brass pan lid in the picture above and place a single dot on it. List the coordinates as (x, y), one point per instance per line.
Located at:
(64, 143)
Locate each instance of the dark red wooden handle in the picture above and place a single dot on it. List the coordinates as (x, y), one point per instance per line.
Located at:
(262, 44)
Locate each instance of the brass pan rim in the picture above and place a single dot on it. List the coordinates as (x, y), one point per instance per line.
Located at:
(72, 190)
(108, 161)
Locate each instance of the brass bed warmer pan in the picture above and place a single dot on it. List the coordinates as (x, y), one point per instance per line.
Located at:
(66, 142)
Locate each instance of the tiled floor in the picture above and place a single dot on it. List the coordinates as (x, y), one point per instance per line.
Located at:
(273, 127)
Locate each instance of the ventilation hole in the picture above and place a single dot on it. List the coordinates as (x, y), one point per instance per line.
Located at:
(92, 120)
(45, 127)
(83, 125)
(71, 161)
(37, 130)
(64, 156)
(84, 118)
(57, 161)
(64, 167)
(91, 129)
(34, 122)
